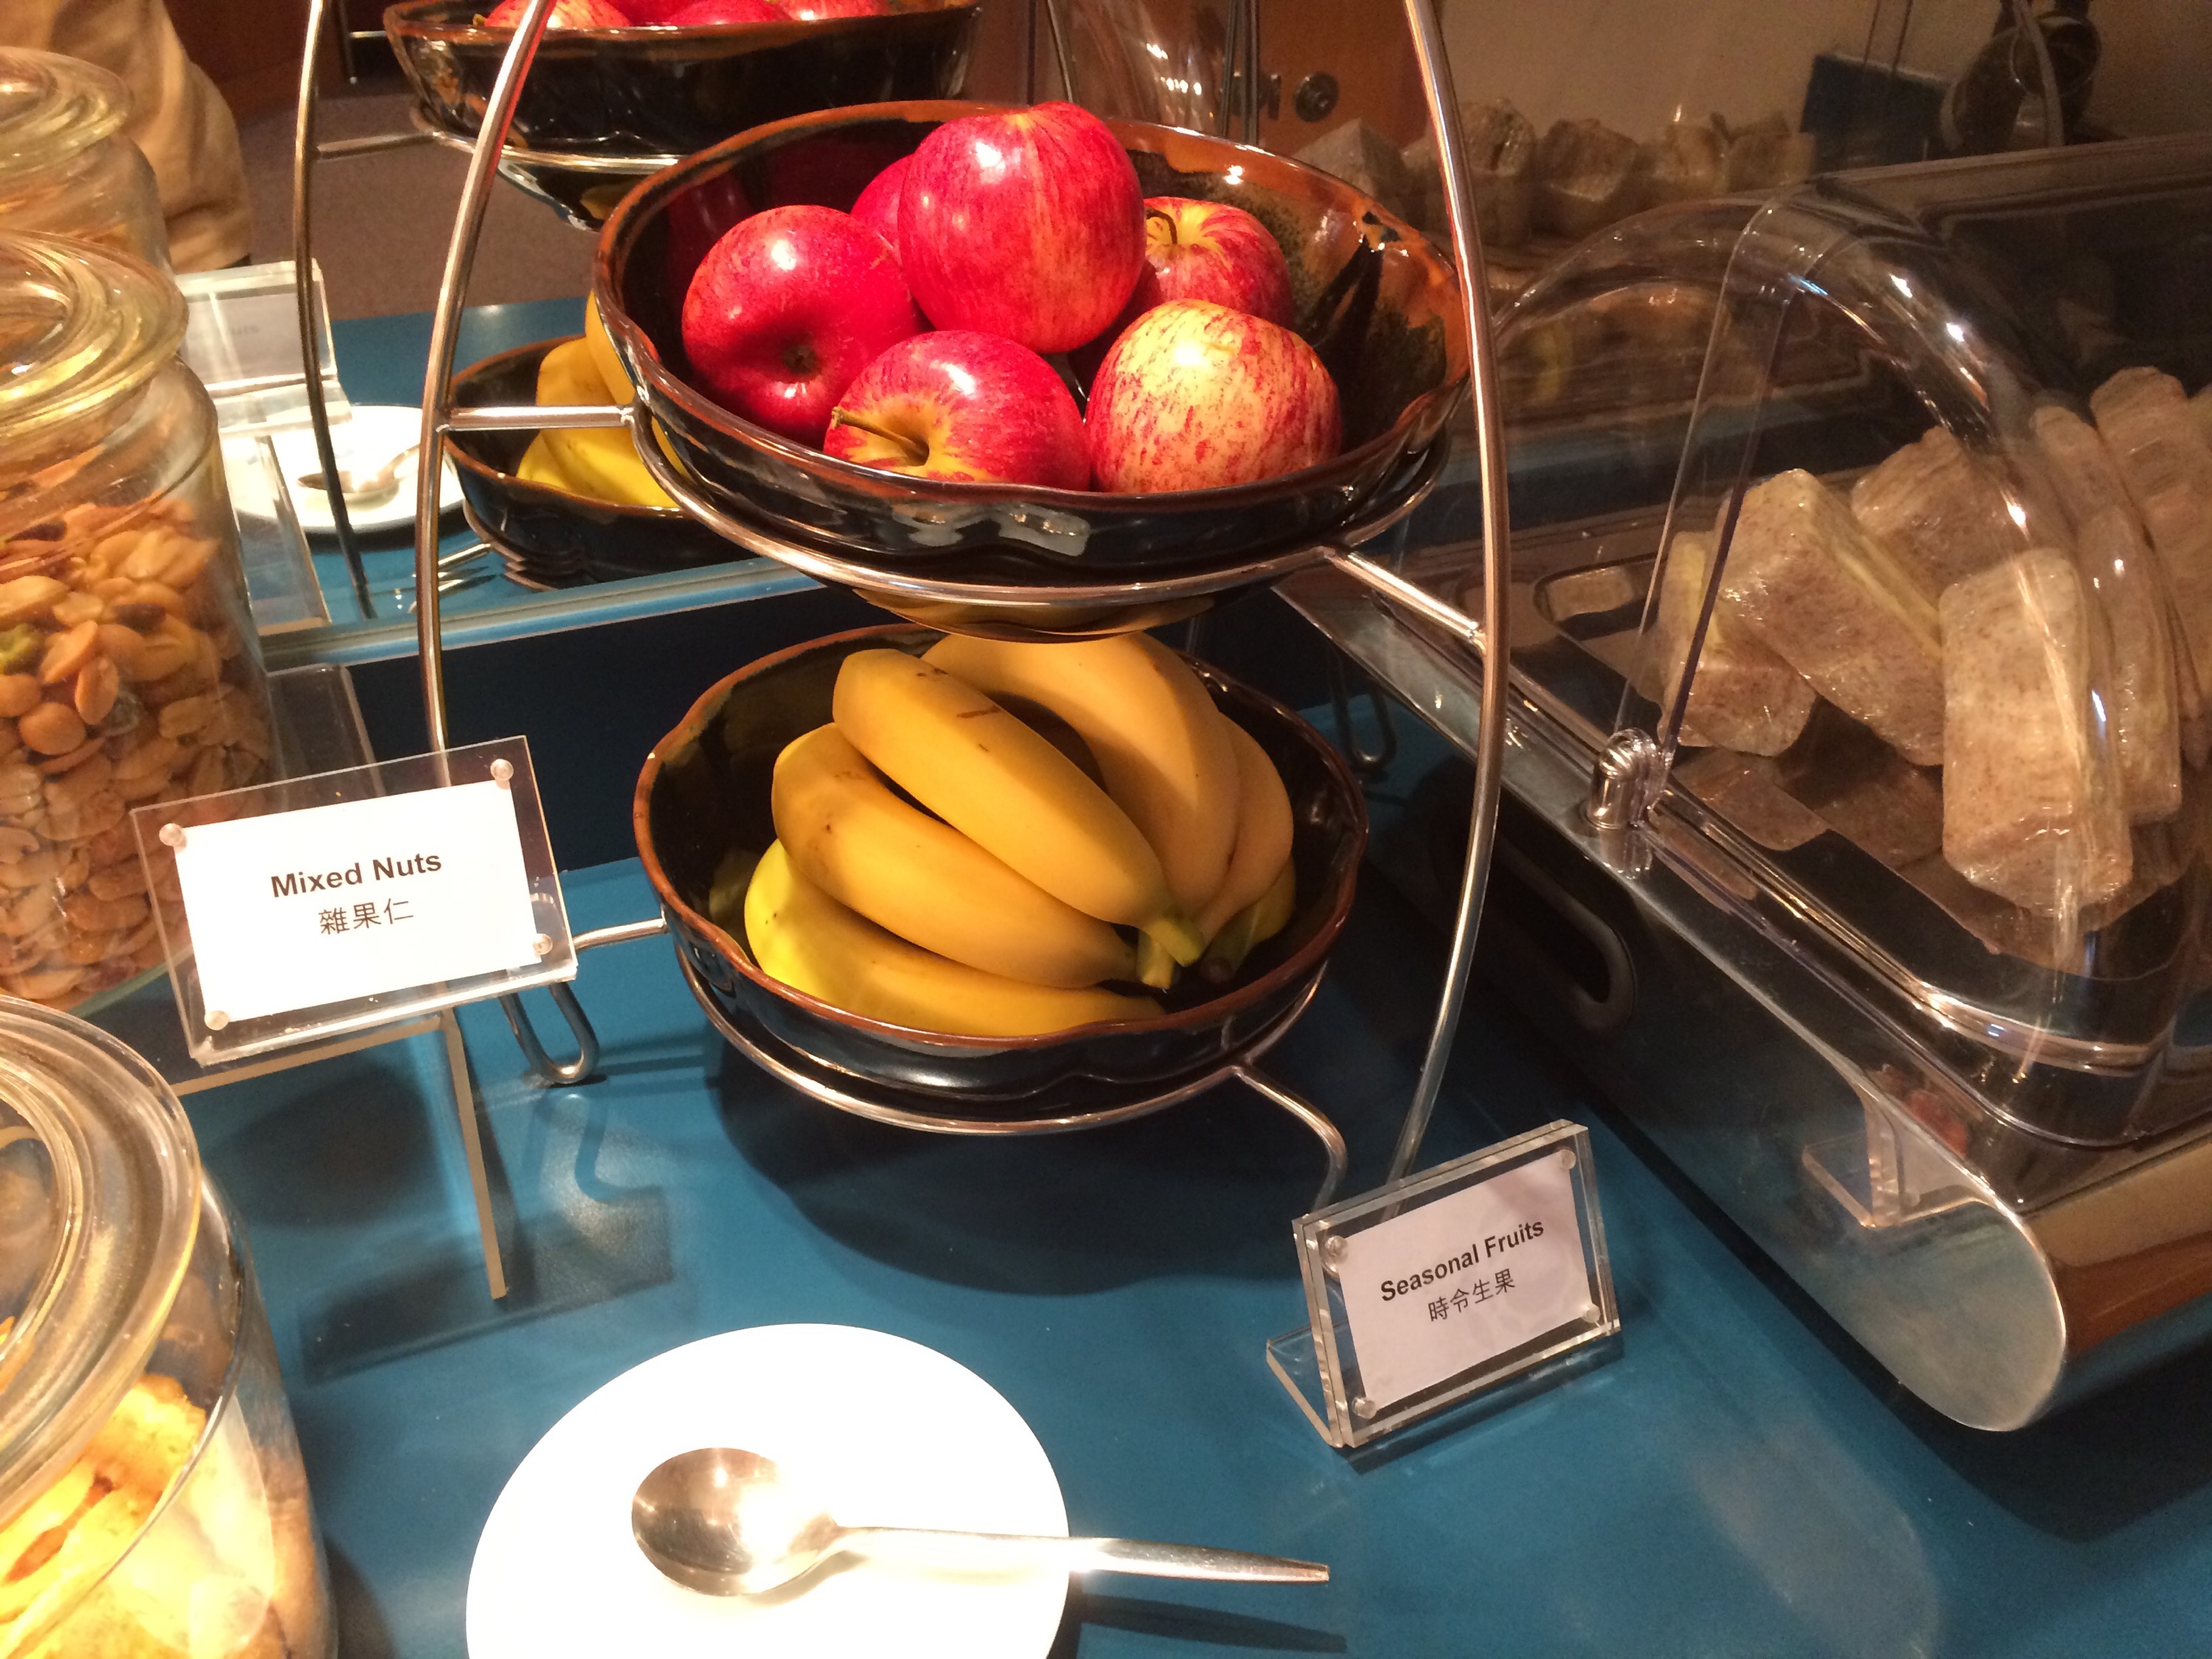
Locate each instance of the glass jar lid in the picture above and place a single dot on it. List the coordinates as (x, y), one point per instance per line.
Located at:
(100, 1190)
(52, 107)
(80, 326)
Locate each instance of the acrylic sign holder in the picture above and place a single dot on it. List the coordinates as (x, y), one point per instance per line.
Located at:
(1487, 635)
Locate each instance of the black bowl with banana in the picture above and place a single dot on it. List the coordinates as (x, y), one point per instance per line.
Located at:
(566, 508)
(1015, 875)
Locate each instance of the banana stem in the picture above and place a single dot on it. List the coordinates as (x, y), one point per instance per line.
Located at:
(914, 451)
(1174, 932)
(1155, 967)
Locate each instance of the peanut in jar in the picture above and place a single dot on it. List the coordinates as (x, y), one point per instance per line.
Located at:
(129, 672)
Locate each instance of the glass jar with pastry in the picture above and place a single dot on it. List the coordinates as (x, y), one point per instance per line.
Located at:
(152, 1501)
(129, 665)
(66, 167)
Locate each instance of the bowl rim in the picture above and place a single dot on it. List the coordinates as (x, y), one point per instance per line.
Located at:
(640, 355)
(462, 459)
(1307, 959)
(777, 33)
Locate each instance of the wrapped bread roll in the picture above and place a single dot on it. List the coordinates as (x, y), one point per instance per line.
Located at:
(1766, 154)
(1743, 696)
(1744, 790)
(1939, 510)
(2122, 572)
(2161, 455)
(2031, 811)
(1585, 175)
(1501, 148)
(1865, 791)
(1833, 603)
(1687, 162)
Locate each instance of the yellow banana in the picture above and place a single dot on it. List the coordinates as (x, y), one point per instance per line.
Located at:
(1262, 919)
(565, 375)
(540, 466)
(846, 832)
(997, 781)
(801, 935)
(598, 462)
(603, 463)
(1263, 833)
(604, 361)
(1162, 746)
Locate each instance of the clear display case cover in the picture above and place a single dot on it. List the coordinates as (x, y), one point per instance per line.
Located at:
(1876, 517)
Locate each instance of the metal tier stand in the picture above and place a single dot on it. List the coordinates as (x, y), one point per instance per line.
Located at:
(1488, 637)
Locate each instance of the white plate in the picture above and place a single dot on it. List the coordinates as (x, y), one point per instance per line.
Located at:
(376, 432)
(881, 1431)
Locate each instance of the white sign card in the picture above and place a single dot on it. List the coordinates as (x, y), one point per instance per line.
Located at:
(1452, 1282)
(296, 910)
(299, 909)
(1450, 1286)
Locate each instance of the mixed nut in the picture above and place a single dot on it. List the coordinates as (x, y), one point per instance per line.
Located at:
(127, 674)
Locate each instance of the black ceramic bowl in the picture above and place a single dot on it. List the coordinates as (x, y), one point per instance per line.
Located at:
(549, 537)
(602, 107)
(705, 790)
(1377, 302)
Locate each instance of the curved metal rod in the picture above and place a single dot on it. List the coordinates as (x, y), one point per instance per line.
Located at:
(437, 378)
(620, 933)
(538, 1066)
(1331, 1137)
(1368, 762)
(1497, 557)
(303, 290)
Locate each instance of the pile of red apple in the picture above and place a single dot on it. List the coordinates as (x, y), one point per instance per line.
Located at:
(1017, 235)
(684, 14)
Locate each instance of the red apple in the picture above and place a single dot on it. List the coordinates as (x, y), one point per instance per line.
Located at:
(809, 11)
(1029, 223)
(878, 207)
(958, 404)
(1194, 396)
(566, 15)
(786, 308)
(1210, 251)
(698, 14)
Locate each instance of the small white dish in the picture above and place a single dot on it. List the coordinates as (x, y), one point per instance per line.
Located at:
(882, 1429)
(375, 434)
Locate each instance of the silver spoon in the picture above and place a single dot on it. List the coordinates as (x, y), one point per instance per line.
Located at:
(724, 1522)
(370, 488)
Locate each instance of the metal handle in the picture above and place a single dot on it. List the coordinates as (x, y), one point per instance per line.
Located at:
(538, 1066)
(993, 1549)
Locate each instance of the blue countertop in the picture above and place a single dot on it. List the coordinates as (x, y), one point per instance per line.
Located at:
(1740, 1478)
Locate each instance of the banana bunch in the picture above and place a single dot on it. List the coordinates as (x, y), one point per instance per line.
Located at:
(599, 462)
(943, 863)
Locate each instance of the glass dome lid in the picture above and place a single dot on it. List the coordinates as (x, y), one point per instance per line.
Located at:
(99, 1191)
(80, 328)
(53, 106)
(1890, 602)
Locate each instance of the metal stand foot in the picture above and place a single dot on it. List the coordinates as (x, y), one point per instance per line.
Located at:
(1331, 1137)
(538, 1066)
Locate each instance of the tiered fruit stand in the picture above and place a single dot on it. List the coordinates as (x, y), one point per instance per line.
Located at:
(1028, 598)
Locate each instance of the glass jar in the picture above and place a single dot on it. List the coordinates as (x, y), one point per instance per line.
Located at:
(129, 667)
(65, 166)
(152, 1501)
